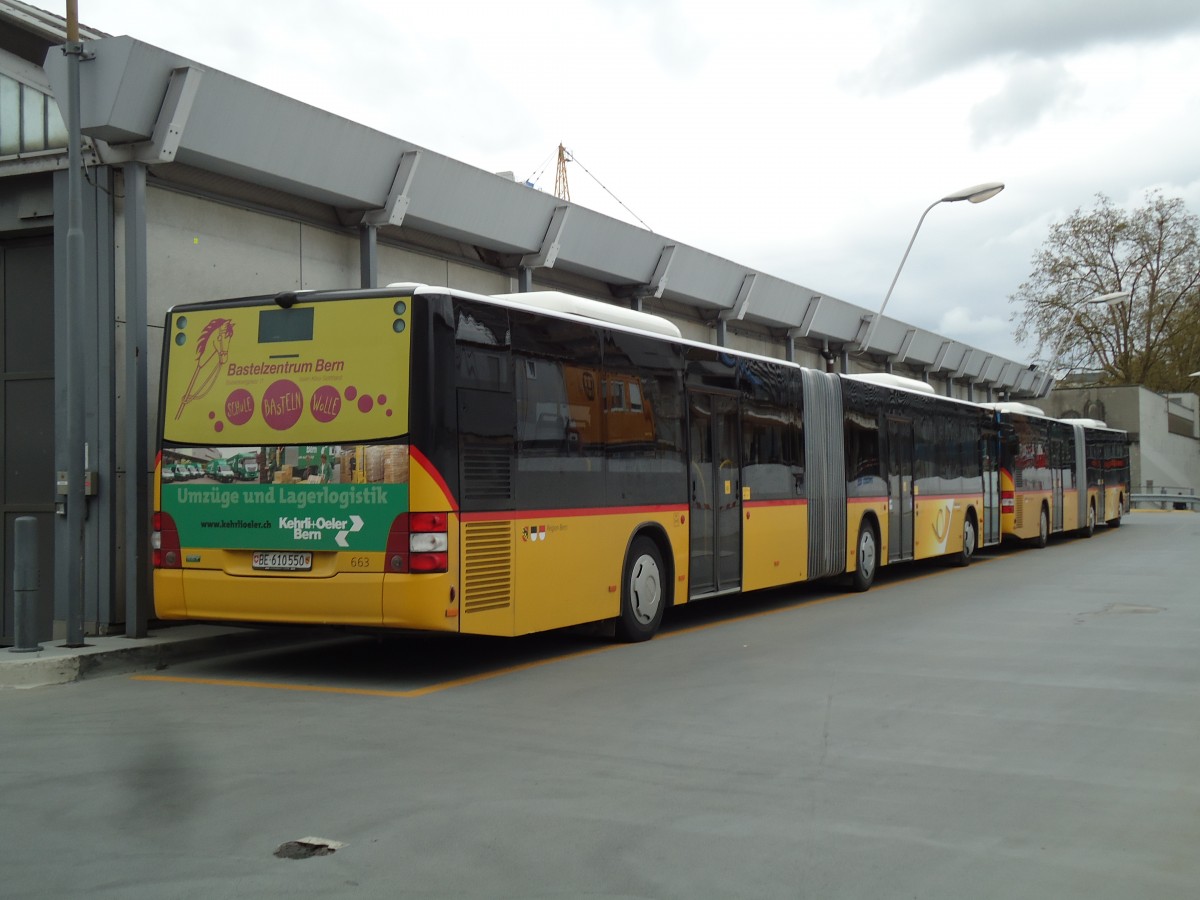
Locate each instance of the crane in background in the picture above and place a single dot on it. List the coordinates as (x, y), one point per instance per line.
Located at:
(561, 189)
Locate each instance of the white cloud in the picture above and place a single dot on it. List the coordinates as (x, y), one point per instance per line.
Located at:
(1033, 91)
(947, 35)
(989, 332)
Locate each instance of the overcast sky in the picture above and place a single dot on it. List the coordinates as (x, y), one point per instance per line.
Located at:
(800, 138)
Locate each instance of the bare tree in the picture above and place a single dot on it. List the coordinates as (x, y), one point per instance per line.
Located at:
(1153, 252)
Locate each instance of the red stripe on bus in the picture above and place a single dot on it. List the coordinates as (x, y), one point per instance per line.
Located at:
(758, 503)
(968, 498)
(422, 460)
(513, 515)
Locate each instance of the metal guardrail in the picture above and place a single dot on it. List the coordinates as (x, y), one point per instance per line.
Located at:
(1176, 500)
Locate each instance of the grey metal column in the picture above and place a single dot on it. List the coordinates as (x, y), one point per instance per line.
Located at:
(368, 256)
(137, 466)
(75, 344)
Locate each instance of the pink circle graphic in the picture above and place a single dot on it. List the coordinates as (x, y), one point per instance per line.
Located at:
(219, 426)
(351, 392)
(365, 403)
(325, 403)
(239, 407)
(381, 399)
(282, 404)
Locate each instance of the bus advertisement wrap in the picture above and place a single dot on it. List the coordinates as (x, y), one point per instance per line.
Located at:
(326, 497)
(251, 374)
(285, 516)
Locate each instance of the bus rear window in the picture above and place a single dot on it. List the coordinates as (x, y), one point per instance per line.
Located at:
(277, 325)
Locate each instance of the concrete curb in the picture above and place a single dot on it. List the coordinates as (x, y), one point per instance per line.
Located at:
(56, 664)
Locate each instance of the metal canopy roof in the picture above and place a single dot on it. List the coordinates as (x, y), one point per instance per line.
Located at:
(143, 103)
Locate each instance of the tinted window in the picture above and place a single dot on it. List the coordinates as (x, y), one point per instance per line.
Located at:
(643, 421)
(559, 430)
(772, 452)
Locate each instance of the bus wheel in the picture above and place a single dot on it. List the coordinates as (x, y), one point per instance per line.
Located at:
(1088, 530)
(1114, 523)
(963, 556)
(643, 593)
(1043, 536)
(866, 558)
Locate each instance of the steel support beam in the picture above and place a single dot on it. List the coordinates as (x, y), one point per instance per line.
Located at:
(137, 468)
(658, 281)
(368, 255)
(551, 243)
(742, 302)
(396, 205)
(172, 119)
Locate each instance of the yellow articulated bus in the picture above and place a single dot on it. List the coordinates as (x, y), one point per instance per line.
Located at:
(1059, 475)
(415, 457)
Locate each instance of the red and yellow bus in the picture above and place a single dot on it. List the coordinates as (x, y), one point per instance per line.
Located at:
(438, 460)
(1059, 475)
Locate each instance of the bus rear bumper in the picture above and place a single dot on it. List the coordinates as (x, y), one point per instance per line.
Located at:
(424, 602)
(210, 594)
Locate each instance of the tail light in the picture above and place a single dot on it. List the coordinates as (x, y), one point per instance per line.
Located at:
(1008, 502)
(418, 542)
(164, 543)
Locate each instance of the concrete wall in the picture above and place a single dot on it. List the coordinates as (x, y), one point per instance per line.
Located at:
(1168, 460)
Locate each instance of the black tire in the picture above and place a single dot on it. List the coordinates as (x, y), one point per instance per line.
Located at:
(643, 592)
(1043, 536)
(1090, 528)
(866, 558)
(970, 542)
(1114, 523)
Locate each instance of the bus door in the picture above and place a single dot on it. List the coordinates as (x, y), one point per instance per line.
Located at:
(716, 494)
(900, 488)
(1058, 459)
(990, 445)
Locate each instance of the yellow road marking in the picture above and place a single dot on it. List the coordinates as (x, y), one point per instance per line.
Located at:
(373, 692)
(521, 667)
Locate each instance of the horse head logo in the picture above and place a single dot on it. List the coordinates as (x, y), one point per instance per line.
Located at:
(212, 350)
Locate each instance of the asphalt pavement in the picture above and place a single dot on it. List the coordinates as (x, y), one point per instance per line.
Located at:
(57, 663)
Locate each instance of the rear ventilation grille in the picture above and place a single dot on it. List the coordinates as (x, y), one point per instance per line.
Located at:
(487, 566)
(487, 473)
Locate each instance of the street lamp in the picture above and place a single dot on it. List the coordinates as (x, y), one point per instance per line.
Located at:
(1114, 299)
(976, 194)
